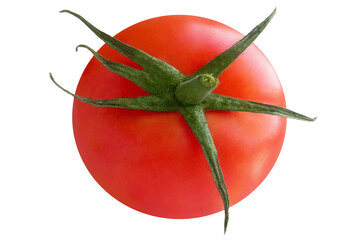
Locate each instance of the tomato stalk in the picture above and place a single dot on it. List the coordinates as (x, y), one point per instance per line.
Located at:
(195, 90)
(172, 91)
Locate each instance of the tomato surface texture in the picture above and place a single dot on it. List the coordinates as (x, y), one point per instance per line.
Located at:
(152, 161)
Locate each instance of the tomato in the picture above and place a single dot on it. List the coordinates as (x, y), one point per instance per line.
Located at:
(152, 161)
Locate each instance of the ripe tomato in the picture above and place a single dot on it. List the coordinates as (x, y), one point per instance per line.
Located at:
(151, 161)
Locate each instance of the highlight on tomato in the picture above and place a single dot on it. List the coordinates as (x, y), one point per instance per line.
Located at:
(179, 116)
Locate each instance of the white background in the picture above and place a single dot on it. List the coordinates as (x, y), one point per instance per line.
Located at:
(313, 190)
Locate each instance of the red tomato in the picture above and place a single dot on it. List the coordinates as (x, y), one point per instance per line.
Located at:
(151, 161)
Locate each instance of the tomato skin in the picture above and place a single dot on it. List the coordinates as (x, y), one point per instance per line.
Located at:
(151, 161)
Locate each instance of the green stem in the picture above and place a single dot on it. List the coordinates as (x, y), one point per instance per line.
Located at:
(196, 89)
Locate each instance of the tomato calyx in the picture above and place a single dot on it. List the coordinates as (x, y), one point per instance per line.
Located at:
(172, 91)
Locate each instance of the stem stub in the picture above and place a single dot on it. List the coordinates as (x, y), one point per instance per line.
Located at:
(196, 89)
